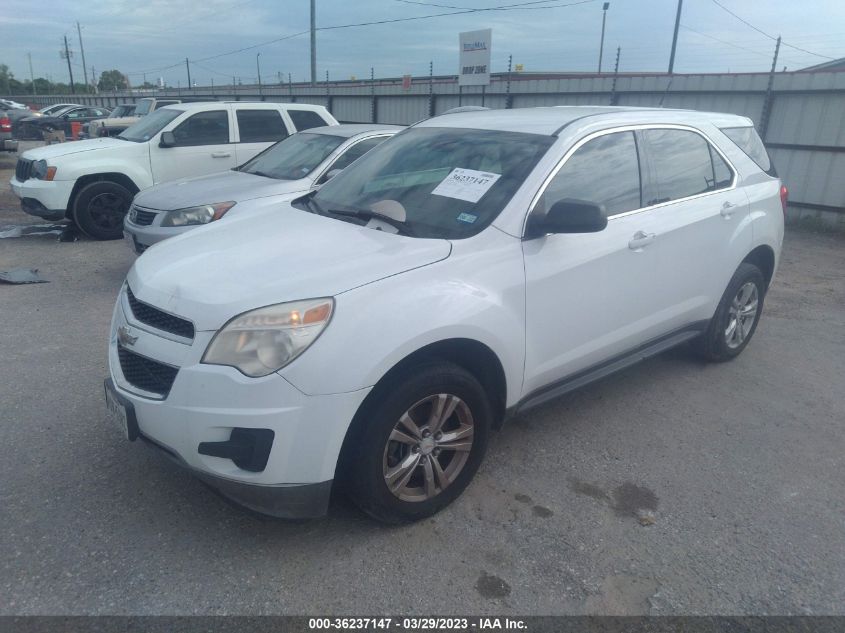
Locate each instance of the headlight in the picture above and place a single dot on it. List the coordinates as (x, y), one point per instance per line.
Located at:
(202, 214)
(262, 341)
(41, 171)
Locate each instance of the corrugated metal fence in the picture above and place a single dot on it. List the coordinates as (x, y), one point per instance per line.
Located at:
(801, 115)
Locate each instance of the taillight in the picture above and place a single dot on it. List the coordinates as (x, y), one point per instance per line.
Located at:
(6, 124)
(784, 198)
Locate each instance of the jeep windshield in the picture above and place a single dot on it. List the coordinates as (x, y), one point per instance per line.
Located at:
(149, 126)
(294, 157)
(143, 107)
(438, 182)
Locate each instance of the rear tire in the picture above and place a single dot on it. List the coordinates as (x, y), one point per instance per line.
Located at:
(735, 321)
(99, 209)
(418, 447)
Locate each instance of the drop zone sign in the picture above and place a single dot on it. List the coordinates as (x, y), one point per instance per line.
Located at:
(475, 57)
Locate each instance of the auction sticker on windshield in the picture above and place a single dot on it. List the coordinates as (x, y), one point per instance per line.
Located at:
(466, 184)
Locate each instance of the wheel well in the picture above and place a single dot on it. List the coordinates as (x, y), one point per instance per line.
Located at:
(120, 179)
(475, 357)
(764, 258)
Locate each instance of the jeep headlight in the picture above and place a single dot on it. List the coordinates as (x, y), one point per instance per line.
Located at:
(202, 214)
(42, 171)
(262, 341)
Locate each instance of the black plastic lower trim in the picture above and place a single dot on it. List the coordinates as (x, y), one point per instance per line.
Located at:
(294, 501)
(606, 368)
(34, 207)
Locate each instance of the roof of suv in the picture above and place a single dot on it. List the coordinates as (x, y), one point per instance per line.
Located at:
(549, 120)
(348, 130)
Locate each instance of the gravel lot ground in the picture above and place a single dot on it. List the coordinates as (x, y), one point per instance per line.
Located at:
(672, 488)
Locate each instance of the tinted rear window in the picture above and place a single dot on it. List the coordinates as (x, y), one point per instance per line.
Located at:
(260, 126)
(747, 139)
(304, 119)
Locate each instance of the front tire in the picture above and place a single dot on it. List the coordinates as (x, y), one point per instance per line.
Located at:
(99, 209)
(735, 321)
(418, 448)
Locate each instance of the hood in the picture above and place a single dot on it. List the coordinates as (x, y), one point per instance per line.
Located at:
(271, 256)
(220, 187)
(64, 149)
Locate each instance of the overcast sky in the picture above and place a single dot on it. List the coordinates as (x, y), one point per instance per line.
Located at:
(145, 36)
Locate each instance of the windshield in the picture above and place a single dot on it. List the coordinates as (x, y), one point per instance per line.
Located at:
(149, 126)
(121, 111)
(142, 108)
(294, 157)
(450, 182)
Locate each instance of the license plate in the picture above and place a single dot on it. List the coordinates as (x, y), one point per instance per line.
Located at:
(117, 413)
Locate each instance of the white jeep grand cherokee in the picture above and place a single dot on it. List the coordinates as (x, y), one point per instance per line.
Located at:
(92, 182)
(471, 267)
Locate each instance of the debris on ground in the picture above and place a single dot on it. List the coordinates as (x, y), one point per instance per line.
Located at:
(21, 276)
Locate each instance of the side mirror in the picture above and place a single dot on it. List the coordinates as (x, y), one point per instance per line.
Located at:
(167, 140)
(568, 216)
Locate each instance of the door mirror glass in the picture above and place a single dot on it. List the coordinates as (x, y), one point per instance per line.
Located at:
(167, 139)
(569, 216)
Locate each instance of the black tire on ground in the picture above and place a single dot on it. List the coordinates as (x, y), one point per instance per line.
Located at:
(99, 209)
(371, 448)
(716, 344)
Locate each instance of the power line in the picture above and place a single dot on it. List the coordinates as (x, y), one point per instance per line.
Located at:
(347, 26)
(771, 37)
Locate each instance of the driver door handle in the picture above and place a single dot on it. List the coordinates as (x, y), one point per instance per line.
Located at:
(221, 154)
(727, 209)
(640, 240)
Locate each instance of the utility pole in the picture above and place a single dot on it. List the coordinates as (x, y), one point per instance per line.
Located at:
(82, 50)
(767, 102)
(313, 42)
(613, 96)
(603, 20)
(69, 70)
(258, 70)
(31, 75)
(94, 80)
(675, 37)
(188, 66)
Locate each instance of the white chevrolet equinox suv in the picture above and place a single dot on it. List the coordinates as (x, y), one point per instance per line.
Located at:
(369, 335)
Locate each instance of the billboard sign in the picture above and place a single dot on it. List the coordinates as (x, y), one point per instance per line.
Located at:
(475, 57)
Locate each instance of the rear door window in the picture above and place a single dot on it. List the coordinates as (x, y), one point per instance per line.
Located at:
(261, 126)
(204, 128)
(747, 139)
(304, 119)
(605, 170)
(682, 165)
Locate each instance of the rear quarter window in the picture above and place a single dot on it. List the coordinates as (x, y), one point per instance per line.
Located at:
(747, 139)
(304, 119)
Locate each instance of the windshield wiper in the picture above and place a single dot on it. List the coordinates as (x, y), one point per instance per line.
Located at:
(369, 214)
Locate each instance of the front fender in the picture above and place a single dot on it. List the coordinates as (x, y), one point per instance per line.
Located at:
(134, 164)
(477, 293)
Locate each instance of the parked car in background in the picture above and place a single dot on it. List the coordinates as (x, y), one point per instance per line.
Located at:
(53, 109)
(37, 126)
(92, 182)
(289, 168)
(7, 143)
(8, 104)
(372, 333)
(120, 118)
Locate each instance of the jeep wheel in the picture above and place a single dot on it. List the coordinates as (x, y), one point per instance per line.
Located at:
(99, 209)
(420, 446)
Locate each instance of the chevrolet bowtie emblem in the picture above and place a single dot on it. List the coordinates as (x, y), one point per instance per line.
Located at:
(124, 336)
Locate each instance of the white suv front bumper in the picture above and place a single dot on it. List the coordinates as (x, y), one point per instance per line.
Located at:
(205, 403)
(44, 198)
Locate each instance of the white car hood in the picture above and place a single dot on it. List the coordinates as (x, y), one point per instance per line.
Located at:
(220, 187)
(75, 147)
(270, 256)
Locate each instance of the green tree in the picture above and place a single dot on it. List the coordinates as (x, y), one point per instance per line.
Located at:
(6, 79)
(112, 80)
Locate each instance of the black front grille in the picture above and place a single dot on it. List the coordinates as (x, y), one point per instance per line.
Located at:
(141, 217)
(23, 169)
(160, 320)
(145, 373)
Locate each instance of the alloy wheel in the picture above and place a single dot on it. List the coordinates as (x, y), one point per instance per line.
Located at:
(428, 447)
(742, 314)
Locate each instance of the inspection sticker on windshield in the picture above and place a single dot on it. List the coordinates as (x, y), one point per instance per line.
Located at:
(466, 184)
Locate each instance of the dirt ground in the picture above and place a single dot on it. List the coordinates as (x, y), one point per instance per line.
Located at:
(674, 487)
